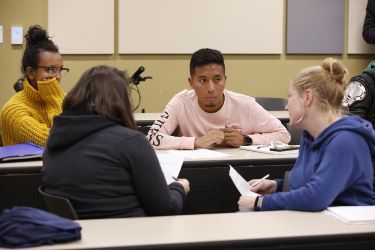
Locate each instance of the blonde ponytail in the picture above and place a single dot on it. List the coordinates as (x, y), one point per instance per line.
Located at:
(328, 81)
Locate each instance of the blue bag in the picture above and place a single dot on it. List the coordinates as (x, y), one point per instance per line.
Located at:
(27, 227)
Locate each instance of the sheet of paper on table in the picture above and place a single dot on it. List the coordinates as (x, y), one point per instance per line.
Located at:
(199, 153)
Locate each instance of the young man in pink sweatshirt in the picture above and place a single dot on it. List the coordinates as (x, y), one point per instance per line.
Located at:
(208, 115)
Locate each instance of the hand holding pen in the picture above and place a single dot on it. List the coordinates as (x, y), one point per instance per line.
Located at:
(259, 181)
(263, 186)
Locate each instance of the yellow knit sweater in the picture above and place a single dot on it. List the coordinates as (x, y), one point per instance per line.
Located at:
(28, 115)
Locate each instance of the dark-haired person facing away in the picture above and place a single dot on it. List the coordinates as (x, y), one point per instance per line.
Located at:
(334, 165)
(97, 159)
(27, 116)
(208, 115)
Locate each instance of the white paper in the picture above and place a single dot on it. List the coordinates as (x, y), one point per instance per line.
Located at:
(241, 184)
(353, 214)
(170, 165)
(199, 153)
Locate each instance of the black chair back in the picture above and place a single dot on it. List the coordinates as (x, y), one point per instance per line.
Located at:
(58, 205)
(285, 187)
(272, 103)
(295, 134)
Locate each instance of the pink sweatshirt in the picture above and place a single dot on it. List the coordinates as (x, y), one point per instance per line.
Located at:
(239, 111)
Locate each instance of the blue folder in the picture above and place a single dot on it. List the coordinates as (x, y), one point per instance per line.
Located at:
(20, 151)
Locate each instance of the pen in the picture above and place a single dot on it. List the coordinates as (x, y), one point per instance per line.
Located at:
(262, 146)
(174, 178)
(257, 182)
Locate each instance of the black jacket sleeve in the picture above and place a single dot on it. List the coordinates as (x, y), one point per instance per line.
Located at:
(362, 107)
(369, 23)
(364, 103)
(155, 196)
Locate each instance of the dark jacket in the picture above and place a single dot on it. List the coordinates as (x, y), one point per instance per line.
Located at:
(360, 94)
(106, 169)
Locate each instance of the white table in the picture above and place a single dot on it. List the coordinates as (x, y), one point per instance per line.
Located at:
(249, 229)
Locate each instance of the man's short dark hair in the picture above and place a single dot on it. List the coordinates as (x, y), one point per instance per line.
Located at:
(204, 57)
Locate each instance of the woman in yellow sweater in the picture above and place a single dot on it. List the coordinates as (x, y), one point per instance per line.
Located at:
(28, 115)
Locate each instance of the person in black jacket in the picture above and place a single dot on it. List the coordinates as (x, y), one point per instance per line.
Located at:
(368, 32)
(359, 95)
(95, 157)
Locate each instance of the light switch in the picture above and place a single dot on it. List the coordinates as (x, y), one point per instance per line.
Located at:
(1, 34)
(17, 35)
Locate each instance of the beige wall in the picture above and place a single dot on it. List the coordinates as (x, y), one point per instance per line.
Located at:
(255, 75)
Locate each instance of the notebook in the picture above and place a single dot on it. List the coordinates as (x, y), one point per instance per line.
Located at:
(21, 152)
(353, 214)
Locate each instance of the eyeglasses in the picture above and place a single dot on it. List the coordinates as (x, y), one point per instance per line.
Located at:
(55, 70)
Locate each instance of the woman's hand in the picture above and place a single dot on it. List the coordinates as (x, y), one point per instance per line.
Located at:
(264, 186)
(185, 183)
(246, 203)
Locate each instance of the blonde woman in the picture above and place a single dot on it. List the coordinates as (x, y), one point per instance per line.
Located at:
(334, 166)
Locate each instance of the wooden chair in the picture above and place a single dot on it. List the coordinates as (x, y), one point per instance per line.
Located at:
(58, 205)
